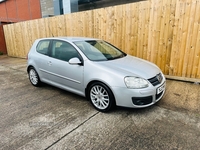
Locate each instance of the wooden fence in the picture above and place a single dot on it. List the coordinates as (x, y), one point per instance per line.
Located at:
(166, 32)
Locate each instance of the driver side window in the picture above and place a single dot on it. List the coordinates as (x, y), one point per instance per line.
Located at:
(63, 51)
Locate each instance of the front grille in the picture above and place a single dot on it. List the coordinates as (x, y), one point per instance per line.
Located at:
(156, 80)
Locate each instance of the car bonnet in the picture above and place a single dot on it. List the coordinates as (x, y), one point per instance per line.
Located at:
(132, 66)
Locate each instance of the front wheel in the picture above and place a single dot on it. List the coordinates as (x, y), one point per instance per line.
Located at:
(101, 97)
(34, 77)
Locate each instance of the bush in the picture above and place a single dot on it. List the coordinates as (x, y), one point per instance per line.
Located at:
(1, 53)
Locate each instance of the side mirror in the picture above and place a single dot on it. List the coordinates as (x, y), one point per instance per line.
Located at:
(75, 61)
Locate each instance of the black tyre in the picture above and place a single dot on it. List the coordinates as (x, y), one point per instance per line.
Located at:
(34, 77)
(101, 97)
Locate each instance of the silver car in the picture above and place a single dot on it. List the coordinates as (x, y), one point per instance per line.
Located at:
(97, 70)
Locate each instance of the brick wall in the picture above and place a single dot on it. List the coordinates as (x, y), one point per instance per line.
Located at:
(19, 10)
(2, 40)
(16, 11)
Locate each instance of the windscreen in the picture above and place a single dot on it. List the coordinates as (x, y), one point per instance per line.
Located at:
(99, 50)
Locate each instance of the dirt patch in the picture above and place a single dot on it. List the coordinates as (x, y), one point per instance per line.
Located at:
(184, 96)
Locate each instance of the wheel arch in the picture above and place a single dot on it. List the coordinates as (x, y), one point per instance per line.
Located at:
(97, 81)
(29, 67)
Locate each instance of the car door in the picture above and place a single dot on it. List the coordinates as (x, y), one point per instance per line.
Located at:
(61, 73)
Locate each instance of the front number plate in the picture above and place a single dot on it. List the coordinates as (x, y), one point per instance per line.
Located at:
(160, 89)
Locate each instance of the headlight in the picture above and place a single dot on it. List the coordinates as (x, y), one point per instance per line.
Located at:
(135, 82)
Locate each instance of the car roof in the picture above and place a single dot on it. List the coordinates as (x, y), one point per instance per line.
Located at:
(71, 39)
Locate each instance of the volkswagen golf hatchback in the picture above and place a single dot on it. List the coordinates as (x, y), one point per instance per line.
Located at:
(95, 69)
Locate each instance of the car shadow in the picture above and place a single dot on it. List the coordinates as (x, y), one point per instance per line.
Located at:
(79, 98)
(134, 110)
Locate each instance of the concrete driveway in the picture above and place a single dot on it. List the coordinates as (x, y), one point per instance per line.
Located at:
(49, 118)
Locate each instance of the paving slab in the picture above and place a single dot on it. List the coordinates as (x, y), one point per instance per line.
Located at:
(50, 118)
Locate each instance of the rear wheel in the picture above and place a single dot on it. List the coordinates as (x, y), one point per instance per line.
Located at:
(34, 77)
(101, 97)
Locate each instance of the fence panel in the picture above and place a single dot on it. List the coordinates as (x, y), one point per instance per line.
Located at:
(185, 48)
(165, 32)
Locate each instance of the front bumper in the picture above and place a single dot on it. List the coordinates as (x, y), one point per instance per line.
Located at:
(138, 98)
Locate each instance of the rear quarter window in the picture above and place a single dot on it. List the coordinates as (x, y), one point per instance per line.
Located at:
(42, 47)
